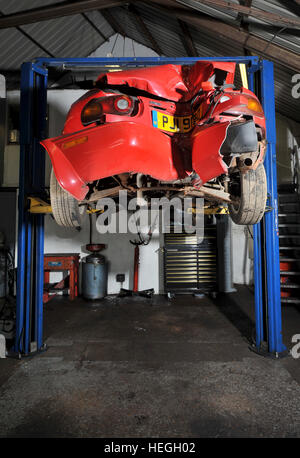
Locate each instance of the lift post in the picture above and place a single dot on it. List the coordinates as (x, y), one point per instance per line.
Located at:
(29, 324)
(266, 234)
(29, 316)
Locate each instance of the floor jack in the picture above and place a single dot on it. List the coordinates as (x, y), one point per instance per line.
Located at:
(148, 293)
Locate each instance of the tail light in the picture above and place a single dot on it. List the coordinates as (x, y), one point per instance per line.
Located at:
(254, 105)
(244, 106)
(95, 109)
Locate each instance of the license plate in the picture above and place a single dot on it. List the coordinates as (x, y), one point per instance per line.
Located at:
(181, 124)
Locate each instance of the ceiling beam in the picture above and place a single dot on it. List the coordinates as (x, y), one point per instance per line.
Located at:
(187, 40)
(253, 43)
(243, 17)
(242, 21)
(144, 29)
(54, 11)
(85, 16)
(273, 18)
(247, 40)
(293, 7)
(29, 37)
(115, 25)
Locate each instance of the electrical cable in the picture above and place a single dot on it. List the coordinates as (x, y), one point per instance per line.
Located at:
(272, 39)
(142, 241)
(112, 51)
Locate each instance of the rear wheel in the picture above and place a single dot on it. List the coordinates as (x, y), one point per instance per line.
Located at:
(65, 208)
(249, 194)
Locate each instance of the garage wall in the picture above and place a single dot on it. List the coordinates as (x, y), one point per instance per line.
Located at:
(242, 255)
(59, 103)
(8, 225)
(288, 139)
(119, 253)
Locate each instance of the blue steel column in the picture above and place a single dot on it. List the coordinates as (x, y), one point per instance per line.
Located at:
(258, 272)
(30, 227)
(274, 324)
(41, 83)
(257, 264)
(24, 227)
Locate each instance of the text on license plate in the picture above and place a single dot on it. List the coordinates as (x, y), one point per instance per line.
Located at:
(171, 123)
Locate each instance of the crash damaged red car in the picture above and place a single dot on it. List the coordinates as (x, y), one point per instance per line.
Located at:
(170, 130)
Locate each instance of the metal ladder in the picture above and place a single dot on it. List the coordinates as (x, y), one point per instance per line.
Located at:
(289, 242)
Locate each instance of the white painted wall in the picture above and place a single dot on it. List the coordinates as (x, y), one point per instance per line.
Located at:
(59, 103)
(119, 253)
(242, 255)
(11, 152)
(119, 46)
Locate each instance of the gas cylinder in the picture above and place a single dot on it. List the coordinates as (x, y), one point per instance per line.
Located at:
(94, 273)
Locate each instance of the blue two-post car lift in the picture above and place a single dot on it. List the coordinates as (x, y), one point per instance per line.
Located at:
(29, 321)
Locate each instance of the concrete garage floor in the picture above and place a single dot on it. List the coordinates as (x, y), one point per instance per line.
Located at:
(140, 368)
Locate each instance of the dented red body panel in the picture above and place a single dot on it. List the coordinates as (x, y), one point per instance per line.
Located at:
(207, 141)
(125, 146)
(173, 82)
(134, 143)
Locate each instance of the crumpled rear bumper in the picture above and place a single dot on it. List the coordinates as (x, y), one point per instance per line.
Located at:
(107, 150)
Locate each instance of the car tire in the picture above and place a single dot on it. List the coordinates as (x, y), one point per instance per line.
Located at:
(250, 204)
(65, 208)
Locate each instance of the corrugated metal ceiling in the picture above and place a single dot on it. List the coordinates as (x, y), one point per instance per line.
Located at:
(61, 37)
(74, 36)
(285, 38)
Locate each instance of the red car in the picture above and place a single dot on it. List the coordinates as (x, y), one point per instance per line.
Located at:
(171, 129)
